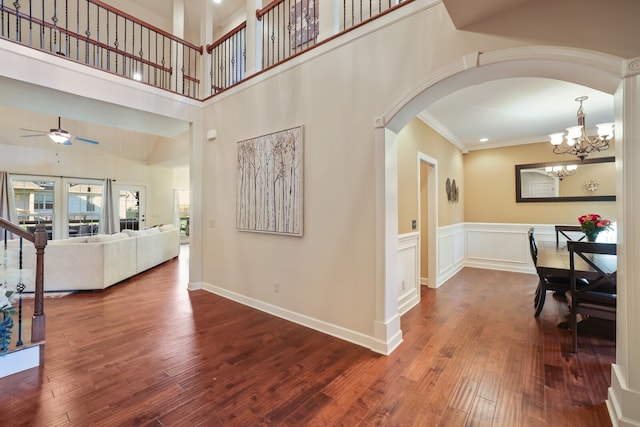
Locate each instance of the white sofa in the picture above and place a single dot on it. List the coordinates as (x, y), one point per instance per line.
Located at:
(97, 262)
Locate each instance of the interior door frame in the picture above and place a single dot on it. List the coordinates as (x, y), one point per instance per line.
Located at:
(432, 218)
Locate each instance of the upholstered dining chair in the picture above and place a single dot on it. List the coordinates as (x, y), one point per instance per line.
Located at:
(570, 232)
(597, 299)
(546, 282)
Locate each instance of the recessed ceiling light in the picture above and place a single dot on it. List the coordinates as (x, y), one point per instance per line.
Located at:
(217, 1)
(484, 139)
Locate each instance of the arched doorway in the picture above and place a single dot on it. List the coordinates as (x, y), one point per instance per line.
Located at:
(606, 73)
(595, 70)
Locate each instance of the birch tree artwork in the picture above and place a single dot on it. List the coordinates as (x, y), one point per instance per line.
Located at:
(269, 183)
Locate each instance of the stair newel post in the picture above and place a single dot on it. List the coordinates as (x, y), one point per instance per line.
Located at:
(38, 325)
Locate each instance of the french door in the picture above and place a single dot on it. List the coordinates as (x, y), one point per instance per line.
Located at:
(131, 206)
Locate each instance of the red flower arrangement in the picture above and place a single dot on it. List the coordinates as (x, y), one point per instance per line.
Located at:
(592, 225)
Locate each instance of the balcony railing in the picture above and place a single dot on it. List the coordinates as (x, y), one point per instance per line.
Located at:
(288, 27)
(93, 33)
(228, 59)
(355, 12)
(96, 34)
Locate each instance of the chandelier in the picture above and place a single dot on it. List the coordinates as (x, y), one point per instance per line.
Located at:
(561, 172)
(577, 142)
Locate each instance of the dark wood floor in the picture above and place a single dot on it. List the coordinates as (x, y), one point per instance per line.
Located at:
(147, 352)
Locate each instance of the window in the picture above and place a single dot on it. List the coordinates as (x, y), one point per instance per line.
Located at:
(84, 203)
(43, 201)
(35, 202)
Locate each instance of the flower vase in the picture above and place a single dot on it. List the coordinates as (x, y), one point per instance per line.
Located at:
(591, 237)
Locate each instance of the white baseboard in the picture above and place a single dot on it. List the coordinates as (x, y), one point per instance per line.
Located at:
(318, 325)
(20, 360)
(622, 401)
(194, 286)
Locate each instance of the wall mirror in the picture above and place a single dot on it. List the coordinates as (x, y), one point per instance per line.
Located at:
(567, 181)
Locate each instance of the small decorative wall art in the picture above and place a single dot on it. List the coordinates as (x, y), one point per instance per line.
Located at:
(452, 191)
(269, 183)
(304, 22)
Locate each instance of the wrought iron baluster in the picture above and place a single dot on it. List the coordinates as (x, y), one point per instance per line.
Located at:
(20, 288)
(182, 69)
(278, 29)
(87, 33)
(124, 49)
(163, 76)
(67, 45)
(116, 43)
(30, 23)
(42, 27)
(16, 5)
(155, 72)
(55, 25)
(108, 44)
(148, 50)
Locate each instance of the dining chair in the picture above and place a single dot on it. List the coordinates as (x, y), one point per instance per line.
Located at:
(597, 299)
(546, 281)
(569, 232)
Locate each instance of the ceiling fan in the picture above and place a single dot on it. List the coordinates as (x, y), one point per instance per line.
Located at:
(59, 135)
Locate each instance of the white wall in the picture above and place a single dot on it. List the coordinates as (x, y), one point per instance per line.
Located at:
(336, 92)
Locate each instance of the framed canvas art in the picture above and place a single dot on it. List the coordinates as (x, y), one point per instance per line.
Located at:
(269, 184)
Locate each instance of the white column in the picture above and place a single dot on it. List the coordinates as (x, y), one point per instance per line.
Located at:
(388, 334)
(254, 38)
(178, 31)
(197, 202)
(329, 18)
(206, 37)
(624, 394)
(178, 18)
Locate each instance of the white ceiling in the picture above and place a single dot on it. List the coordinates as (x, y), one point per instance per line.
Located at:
(514, 111)
(507, 112)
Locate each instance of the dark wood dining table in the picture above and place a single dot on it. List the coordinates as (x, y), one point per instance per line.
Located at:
(554, 260)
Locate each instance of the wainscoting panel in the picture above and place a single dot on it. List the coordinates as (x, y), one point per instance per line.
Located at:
(451, 250)
(409, 267)
(502, 246)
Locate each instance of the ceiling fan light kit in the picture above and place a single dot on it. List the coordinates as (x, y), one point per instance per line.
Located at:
(577, 142)
(59, 135)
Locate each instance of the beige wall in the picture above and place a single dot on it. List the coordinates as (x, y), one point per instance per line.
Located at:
(490, 188)
(418, 137)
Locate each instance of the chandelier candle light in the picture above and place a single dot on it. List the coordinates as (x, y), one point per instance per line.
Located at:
(577, 142)
(561, 172)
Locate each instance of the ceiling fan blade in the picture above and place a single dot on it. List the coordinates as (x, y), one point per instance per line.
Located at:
(27, 136)
(67, 142)
(90, 141)
(36, 131)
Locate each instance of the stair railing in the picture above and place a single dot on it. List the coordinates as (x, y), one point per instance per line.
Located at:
(39, 240)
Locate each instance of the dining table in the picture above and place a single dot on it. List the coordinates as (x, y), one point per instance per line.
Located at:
(554, 260)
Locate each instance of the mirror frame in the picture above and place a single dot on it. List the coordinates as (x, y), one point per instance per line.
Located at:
(520, 199)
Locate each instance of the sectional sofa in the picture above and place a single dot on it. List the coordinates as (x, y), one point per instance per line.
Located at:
(97, 262)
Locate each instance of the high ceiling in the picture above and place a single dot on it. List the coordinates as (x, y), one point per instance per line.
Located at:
(507, 112)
